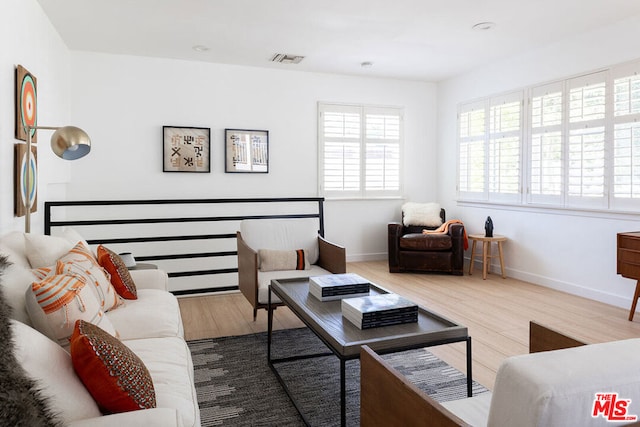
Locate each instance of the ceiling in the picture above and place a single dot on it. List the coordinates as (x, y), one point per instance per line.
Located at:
(424, 40)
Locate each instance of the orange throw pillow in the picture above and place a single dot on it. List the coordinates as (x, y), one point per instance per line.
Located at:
(120, 277)
(116, 378)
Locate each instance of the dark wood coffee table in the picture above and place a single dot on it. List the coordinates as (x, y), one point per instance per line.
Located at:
(344, 339)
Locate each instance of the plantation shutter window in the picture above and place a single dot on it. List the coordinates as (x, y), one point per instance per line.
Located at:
(471, 151)
(546, 148)
(586, 142)
(505, 141)
(626, 137)
(360, 150)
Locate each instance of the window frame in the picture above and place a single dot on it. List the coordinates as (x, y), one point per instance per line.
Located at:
(601, 195)
(364, 142)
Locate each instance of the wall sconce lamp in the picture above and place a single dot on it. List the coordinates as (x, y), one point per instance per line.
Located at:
(68, 143)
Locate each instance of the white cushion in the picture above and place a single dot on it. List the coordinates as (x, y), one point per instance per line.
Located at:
(48, 364)
(169, 363)
(13, 244)
(44, 251)
(65, 299)
(282, 234)
(150, 279)
(274, 260)
(156, 417)
(473, 410)
(265, 277)
(154, 314)
(426, 214)
(15, 282)
(558, 388)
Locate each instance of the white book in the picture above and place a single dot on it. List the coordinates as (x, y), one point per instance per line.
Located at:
(378, 305)
(337, 286)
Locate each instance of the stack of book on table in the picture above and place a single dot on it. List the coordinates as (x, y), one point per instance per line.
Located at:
(337, 286)
(379, 310)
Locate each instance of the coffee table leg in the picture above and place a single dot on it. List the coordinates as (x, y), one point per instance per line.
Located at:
(269, 325)
(343, 393)
(469, 373)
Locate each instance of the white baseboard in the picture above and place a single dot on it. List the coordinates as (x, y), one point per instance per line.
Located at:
(367, 257)
(559, 285)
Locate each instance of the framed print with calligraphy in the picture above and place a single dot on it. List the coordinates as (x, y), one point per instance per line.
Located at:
(246, 151)
(186, 149)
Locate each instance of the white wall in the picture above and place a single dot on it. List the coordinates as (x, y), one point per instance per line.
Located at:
(565, 250)
(123, 102)
(28, 38)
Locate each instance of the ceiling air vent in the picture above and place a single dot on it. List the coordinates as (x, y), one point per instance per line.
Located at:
(285, 58)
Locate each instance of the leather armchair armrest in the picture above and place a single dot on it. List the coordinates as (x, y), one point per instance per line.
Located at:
(247, 271)
(332, 257)
(395, 230)
(456, 231)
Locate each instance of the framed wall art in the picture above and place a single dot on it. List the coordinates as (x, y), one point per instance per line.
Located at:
(26, 104)
(24, 192)
(246, 151)
(186, 149)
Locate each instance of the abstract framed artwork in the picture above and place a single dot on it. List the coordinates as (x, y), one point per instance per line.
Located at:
(246, 151)
(22, 191)
(26, 104)
(186, 149)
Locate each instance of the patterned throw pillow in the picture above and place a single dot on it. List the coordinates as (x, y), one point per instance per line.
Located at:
(116, 378)
(81, 262)
(276, 260)
(120, 277)
(56, 302)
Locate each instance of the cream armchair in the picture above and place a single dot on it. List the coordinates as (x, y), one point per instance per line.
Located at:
(262, 244)
(545, 388)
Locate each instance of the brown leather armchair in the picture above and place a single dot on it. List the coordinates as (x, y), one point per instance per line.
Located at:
(412, 251)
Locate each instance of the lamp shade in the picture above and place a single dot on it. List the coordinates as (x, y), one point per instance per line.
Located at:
(70, 143)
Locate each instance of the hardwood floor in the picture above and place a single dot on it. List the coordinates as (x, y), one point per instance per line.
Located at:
(496, 311)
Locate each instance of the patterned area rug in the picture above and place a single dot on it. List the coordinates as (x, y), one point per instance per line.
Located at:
(236, 387)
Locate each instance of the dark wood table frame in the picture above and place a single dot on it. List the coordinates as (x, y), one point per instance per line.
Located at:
(344, 340)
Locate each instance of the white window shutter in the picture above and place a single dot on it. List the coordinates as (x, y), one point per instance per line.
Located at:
(546, 160)
(586, 173)
(360, 150)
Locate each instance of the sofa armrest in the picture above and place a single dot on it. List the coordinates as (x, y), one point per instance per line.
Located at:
(332, 257)
(247, 270)
(150, 279)
(157, 417)
(387, 398)
(395, 231)
(542, 338)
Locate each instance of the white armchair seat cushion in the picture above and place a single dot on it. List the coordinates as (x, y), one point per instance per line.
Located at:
(265, 277)
(282, 234)
(155, 314)
(473, 410)
(558, 388)
(171, 367)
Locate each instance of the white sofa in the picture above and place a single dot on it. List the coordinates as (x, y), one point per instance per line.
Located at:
(151, 326)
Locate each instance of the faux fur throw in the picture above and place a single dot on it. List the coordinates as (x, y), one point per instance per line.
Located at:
(444, 229)
(20, 401)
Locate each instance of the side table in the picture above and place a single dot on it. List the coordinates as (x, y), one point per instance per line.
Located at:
(486, 252)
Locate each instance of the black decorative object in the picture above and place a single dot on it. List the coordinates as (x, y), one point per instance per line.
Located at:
(488, 227)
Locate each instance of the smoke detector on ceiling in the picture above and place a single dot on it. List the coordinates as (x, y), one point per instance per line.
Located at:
(285, 58)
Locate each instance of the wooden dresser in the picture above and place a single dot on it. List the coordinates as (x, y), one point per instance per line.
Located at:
(629, 262)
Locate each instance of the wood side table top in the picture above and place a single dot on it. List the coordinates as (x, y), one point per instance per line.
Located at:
(483, 238)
